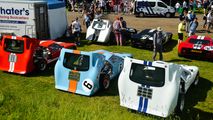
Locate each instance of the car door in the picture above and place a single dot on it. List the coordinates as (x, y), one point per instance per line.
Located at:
(161, 8)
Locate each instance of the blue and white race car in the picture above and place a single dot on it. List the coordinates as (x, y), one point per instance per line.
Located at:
(86, 72)
(156, 88)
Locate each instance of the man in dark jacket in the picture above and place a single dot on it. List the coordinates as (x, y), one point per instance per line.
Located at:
(157, 44)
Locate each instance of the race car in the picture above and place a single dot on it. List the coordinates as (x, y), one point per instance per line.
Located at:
(85, 73)
(22, 55)
(156, 88)
(99, 31)
(196, 46)
(144, 38)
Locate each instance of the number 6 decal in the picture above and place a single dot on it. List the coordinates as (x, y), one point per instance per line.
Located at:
(87, 85)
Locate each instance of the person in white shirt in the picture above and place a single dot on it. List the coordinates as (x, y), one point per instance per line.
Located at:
(76, 30)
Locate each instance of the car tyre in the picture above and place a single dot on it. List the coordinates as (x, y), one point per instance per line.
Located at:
(180, 103)
(104, 81)
(141, 14)
(42, 64)
(196, 79)
(180, 55)
(168, 15)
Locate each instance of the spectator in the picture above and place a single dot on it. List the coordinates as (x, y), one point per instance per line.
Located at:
(185, 7)
(193, 26)
(157, 44)
(205, 6)
(76, 29)
(123, 31)
(181, 28)
(123, 22)
(126, 5)
(117, 27)
(209, 20)
(102, 5)
(177, 6)
(86, 19)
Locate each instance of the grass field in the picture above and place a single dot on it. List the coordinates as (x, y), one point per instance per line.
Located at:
(34, 96)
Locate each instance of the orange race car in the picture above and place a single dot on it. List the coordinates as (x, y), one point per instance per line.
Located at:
(23, 54)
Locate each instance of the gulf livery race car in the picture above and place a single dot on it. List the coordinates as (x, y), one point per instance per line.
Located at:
(99, 31)
(144, 38)
(23, 54)
(86, 72)
(197, 46)
(156, 88)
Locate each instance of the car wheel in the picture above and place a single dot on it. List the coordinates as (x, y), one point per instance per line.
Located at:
(196, 79)
(168, 15)
(104, 81)
(180, 103)
(180, 55)
(42, 65)
(141, 14)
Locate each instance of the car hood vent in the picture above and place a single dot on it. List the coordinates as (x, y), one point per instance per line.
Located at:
(145, 92)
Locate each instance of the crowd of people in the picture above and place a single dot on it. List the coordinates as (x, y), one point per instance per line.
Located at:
(186, 11)
(104, 6)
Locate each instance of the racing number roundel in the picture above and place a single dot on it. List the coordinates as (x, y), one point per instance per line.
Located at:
(87, 85)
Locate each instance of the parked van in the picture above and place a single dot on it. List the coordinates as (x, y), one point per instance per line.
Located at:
(153, 8)
(41, 19)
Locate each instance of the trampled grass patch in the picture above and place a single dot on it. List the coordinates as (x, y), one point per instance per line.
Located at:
(34, 96)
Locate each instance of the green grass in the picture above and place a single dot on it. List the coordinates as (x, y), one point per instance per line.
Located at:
(34, 96)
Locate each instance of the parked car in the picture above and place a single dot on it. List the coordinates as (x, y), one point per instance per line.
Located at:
(153, 8)
(144, 38)
(99, 31)
(23, 54)
(156, 88)
(85, 73)
(197, 46)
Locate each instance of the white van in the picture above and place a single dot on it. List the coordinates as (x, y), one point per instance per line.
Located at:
(153, 8)
(41, 19)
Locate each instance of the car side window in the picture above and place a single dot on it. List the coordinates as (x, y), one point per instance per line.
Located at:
(160, 4)
(151, 4)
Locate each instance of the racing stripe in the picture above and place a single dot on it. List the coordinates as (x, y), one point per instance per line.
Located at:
(202, 37)
(145, 62)
(145, 105)
(149, 63)
(140, 104)
(72, 86)
(76, 51)
(198, 37)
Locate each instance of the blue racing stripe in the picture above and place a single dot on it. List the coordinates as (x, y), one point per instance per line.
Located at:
(145, 105)
(145, 62)
(150, 64)
(140, 104)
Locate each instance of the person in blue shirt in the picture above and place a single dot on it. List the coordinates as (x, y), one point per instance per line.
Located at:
(192, 27)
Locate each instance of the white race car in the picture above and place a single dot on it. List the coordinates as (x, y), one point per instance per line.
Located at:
(156, 88)
(99, 30)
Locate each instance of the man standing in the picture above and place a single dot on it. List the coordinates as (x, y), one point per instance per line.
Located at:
(157, 44)
(193, 26)
(76, 29)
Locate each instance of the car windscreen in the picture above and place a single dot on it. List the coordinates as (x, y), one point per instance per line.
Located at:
(99, 25)
(147, 75)
(14, 46)
(198, 41)
(76, 61)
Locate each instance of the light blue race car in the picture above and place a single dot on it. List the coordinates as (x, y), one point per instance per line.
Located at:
(86, 72)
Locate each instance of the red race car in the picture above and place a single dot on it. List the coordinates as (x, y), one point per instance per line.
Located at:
(23, 54)
(197, 46)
